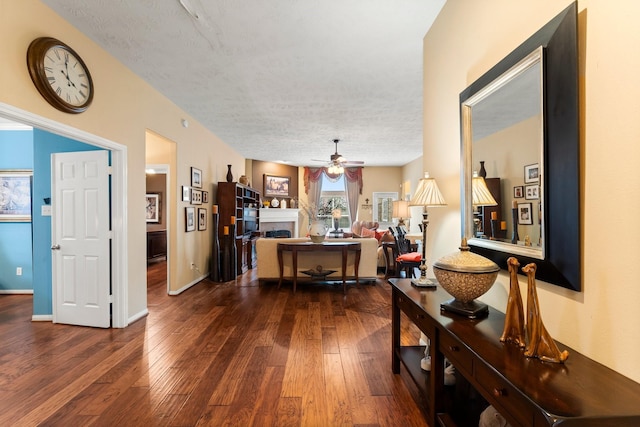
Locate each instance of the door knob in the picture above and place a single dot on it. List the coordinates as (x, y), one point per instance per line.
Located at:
(55, 247)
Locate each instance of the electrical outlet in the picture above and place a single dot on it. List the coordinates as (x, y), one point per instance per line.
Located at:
(193, 265)
(19, 271)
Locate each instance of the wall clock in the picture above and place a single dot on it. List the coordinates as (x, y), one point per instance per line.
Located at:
(60, 75)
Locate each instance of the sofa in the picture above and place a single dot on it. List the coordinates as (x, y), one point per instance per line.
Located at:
(268, 269)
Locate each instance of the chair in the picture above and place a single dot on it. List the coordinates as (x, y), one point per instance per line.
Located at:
(400, 255)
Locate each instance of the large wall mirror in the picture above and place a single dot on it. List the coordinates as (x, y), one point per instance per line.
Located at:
(519, 127)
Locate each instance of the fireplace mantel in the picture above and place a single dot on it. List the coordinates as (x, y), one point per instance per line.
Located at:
(277, 218)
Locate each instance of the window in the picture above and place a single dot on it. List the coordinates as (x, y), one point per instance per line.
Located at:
(332, 197)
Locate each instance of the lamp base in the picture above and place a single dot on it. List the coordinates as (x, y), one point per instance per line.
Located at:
(471, 309)
(424, 283)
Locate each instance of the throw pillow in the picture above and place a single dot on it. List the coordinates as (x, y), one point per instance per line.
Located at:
(368, 233)
(410, 257)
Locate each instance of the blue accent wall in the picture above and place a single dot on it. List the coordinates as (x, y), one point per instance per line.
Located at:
(44, 144)
(16, 152)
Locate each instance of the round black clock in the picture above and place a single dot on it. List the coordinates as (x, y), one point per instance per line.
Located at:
(60, 75)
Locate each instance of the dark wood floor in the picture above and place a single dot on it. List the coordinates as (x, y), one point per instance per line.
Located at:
(235, 354)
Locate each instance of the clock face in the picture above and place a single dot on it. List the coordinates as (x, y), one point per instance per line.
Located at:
(60, 75)
(66, 76)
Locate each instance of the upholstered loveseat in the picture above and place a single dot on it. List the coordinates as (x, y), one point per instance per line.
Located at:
(268, 269)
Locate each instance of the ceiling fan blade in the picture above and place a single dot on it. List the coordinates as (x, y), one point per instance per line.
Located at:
(353, 162)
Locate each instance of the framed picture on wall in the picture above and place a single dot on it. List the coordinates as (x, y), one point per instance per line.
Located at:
(525, 214)
(276, 185)
(153, 207)
(15, 195)
(205, 197)
(196, 177)
(518, 192)
(186, 193)
(190, 218)
(196, 197)
(531, 173)
(202, 219)
(532, 192)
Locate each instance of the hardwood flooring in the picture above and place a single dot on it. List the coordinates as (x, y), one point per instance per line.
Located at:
(230, 354)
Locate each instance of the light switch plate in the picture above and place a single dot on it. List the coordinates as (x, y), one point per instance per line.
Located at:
(46, 210)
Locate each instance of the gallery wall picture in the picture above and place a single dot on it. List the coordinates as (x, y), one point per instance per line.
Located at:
(196, 177)
(531, 173)
(196, 197)
(190, 218)
(15, 195)
(202, 219)
(186, 193)
(525, 214)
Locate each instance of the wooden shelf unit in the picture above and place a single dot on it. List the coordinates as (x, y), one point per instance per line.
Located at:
(232, 198)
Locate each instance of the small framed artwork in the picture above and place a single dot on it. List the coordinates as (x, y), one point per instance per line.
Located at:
(153, 207)
(190, 218)
(276, 185)
(525, 214)
(205, 197)
(202, 219)
(15, 195)
(531, 173)
(196, 177)
(518, 192)
(186, 193)
(196, 197)
(532, 192)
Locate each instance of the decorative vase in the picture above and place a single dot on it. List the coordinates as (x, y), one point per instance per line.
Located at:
(229, 174)
(514, 217)
(483, 171)
(317, 230)
(243, 180)
(215, 256)
(225, 256)
(233, 252)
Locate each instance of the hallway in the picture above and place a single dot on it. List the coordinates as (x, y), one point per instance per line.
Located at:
(234, 354)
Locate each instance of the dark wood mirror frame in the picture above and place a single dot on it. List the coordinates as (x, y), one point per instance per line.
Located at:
(561, 152)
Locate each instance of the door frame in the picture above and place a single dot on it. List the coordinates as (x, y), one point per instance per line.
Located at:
(162, 168)
(119, 222)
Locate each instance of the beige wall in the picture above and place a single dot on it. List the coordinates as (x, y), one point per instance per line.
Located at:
(124, 108)
(465, 41)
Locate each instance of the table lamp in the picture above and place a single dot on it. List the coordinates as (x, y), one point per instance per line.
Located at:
(400, 211)
(480, 196)
(427, 195)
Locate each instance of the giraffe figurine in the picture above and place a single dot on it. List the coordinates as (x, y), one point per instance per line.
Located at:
(514, 319)
(541, 345)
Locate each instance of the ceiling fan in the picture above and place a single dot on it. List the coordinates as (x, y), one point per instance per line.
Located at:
(337, 163)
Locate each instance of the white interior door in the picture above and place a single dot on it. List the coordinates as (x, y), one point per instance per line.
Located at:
(81, 238)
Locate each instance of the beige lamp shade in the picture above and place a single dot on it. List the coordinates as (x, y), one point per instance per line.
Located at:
(427, 193)
(480, 194)
(400, 209)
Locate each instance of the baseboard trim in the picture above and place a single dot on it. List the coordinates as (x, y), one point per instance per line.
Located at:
(188, 285)
(16, 291)
(138, 316)
(42, 318)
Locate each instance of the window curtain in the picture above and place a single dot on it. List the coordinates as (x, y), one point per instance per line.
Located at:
(353, 178)
(313, 184)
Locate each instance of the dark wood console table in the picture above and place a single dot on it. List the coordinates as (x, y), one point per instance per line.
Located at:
(527, 392)
(343, 247)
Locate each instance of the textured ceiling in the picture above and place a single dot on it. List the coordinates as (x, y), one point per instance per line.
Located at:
(278, 80)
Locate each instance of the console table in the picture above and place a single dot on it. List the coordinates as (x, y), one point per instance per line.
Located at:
(527, 392)
(343, 247)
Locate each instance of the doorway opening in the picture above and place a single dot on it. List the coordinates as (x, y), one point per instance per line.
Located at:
(119, 263)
